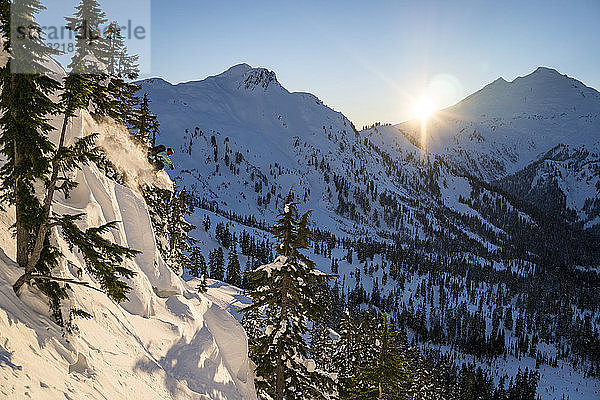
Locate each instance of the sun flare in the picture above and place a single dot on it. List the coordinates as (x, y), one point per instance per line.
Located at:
(424, 108)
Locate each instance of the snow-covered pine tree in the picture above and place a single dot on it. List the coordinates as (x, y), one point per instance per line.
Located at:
(356, 348)
(168, 211)
(121, 67)
(367, 336)
(234, 271)
(253, 323)
(425, 385)
(198, 268)
(344, 354)
(388, 375)
(286, 289)
(31, 159)
(158, 201)
(216, 264)
(322, 346)
(178, 229)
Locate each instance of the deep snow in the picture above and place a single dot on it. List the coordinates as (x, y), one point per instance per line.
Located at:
(166, 342)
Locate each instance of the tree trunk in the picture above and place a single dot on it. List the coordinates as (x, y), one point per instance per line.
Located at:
(279, 380)
(279, 372)
(22, 234)
(31, 259)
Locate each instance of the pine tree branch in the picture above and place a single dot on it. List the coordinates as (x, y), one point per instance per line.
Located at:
(65, 280)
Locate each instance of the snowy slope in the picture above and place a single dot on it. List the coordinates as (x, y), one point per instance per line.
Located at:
(257, 125)
(565, 181)
(165, 342)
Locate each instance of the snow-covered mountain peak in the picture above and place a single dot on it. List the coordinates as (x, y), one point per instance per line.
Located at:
(546, 71)
(260, 78)
(500, 82)
(246, 121)
(240, 77)
(156, 82)
(235, 70)
(544, 92)
(244, 77)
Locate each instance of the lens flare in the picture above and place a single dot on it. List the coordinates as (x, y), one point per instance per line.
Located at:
(424, 108)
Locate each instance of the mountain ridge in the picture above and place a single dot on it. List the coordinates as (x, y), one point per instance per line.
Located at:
(505, 127)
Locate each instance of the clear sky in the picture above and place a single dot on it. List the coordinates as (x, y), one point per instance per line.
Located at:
(372, 60)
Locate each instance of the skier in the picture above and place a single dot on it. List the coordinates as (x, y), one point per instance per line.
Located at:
(159, 156)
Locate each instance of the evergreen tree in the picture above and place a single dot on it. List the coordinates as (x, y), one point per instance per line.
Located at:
(367, 339)
(159, 206)
(26, 107)
(472, 384)
(253, 323)
(245, 277)
(89, 64)
(356, 348)
(524, 386)
(234, 271)
(425, 385)
(168, 212)
(345, 352)
(321, 343)
(121, 67)
(338, 304)
(91, 50)
(120, 63)
(321, 346)
(286, 289)
(216, 264)
(32, 159)
(145, 125)
(198, 268)
(387, 376)
(178, 229)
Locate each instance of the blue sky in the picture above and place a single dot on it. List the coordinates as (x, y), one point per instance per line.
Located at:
(373, 60)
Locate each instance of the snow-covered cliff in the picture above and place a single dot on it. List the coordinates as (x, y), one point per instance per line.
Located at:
(166, 342)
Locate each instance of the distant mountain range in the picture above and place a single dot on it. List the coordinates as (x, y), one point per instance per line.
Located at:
(499, 135)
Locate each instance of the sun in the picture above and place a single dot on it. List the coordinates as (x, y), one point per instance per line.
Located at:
(424, 107)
